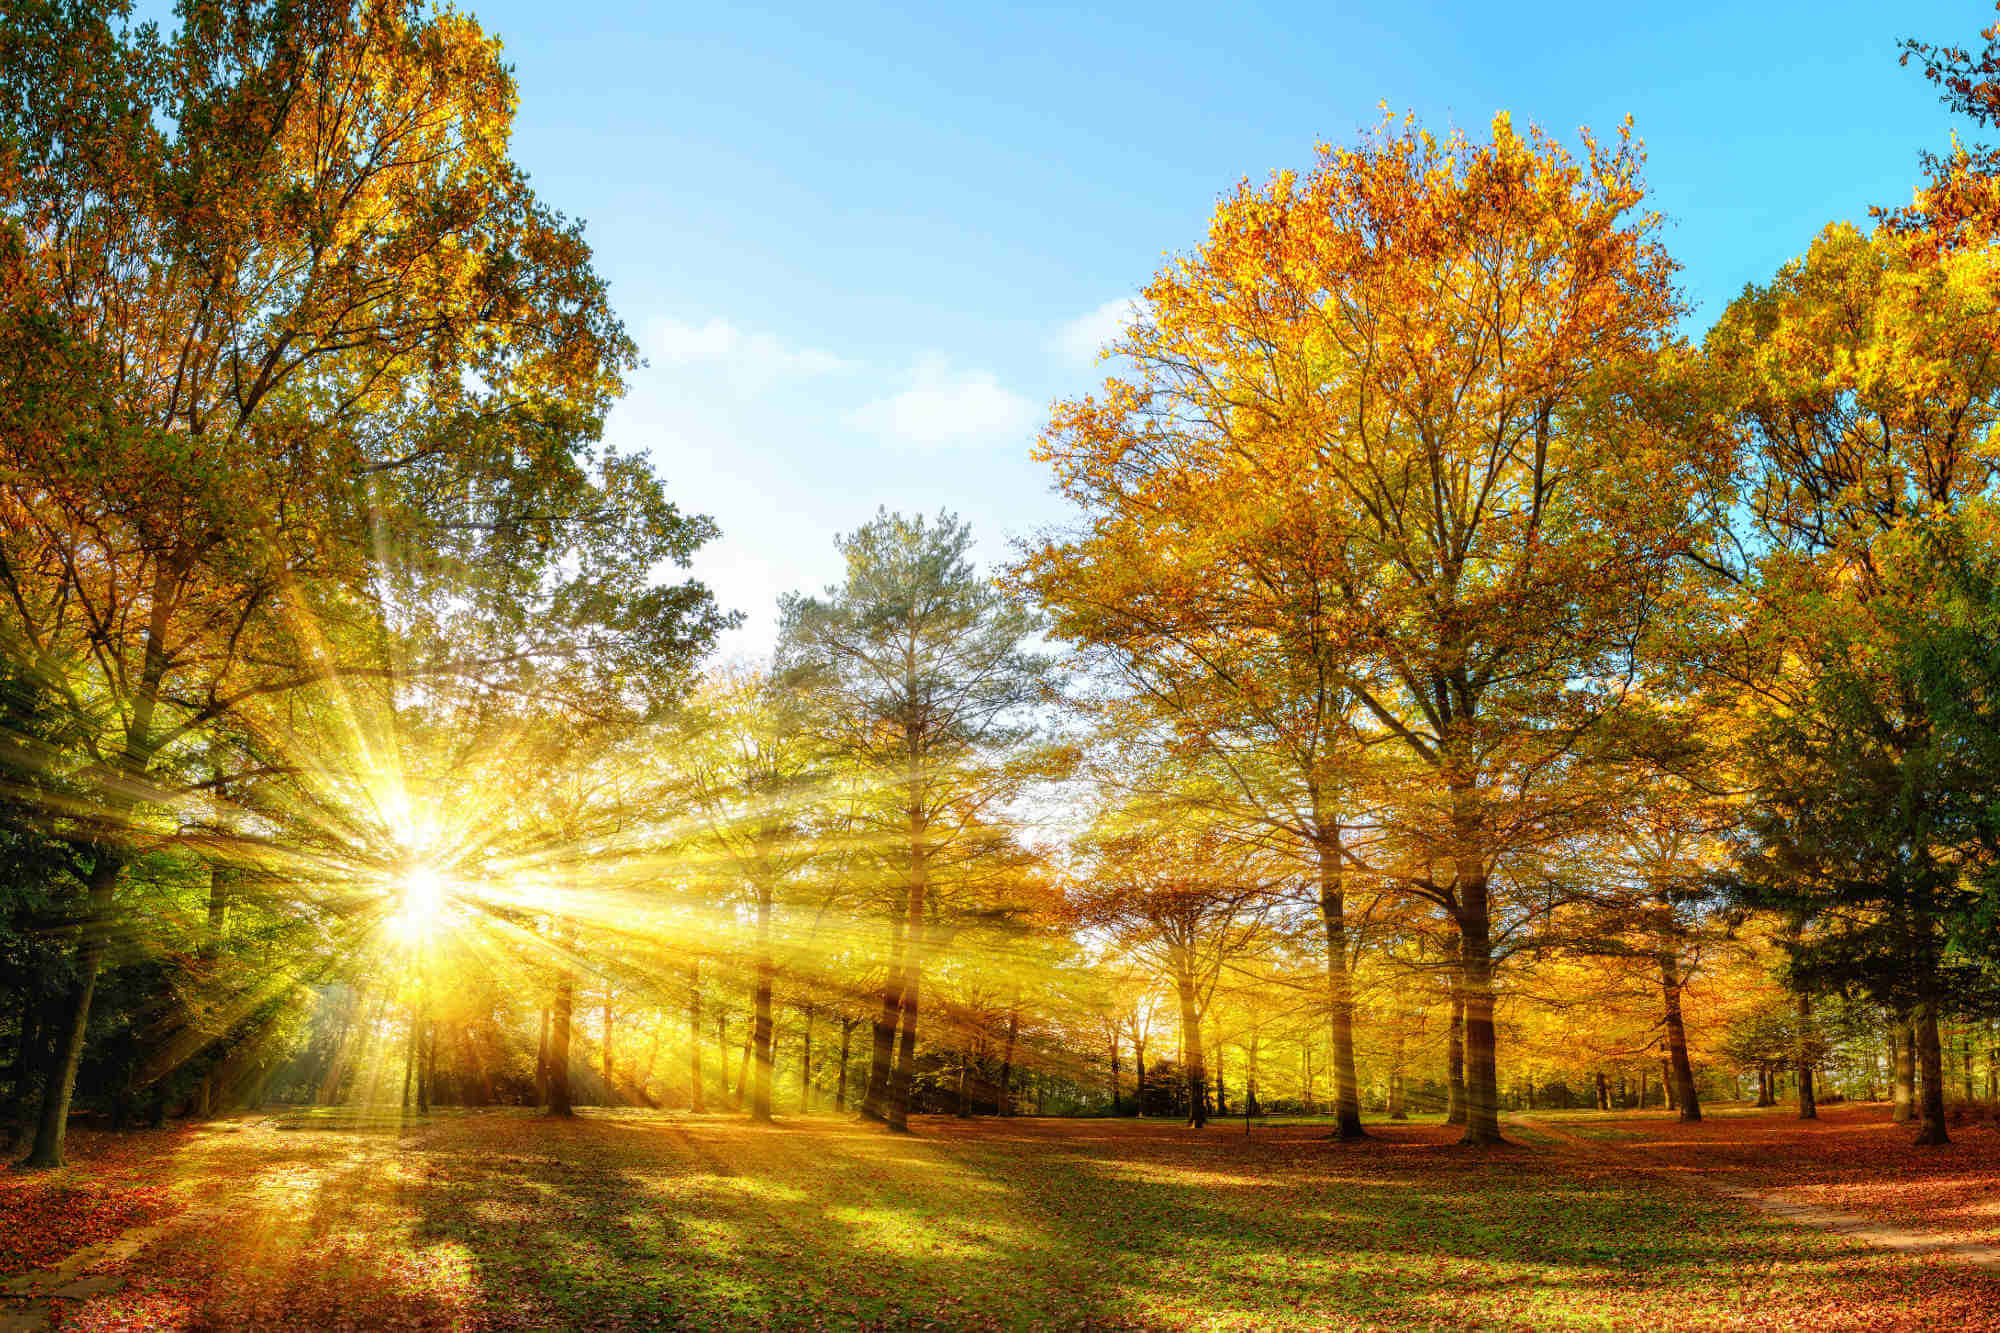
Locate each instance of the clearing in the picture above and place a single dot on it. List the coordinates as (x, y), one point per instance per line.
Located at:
(620, 1219)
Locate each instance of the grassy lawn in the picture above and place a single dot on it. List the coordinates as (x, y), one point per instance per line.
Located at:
(642, 1220)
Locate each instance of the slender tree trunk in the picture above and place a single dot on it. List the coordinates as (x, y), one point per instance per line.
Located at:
(742, 1075)
(964, 1108)
(1454, 1053)
(846, 1039)
(1603, 1092)
(1931, 1129)
(900, 1080)
(1903, 1049)
(1680, 1069)
(542, 1062)
(52, 1127)
(1006, 1103)
(1808, 1106)
(760, 1033)
(1397, 1038)
(1221, 1096)
(605, 1063)
(1117, 1092)
(806, 1063)
(1340, 992)
(697, 1095)
(558, 1099)
(1139, 1076)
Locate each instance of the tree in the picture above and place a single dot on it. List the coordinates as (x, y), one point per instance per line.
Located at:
(750, 770)
(923, 685)
(1179, 893)
(1442, 362)
(289, 304)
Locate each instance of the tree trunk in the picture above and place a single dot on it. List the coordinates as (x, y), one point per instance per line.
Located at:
(760, 1031)
(806, 1064)
(742, 1076)
(1603, 1092)
(1006, 1103)
(558, 1097)
(605, 1062)
(1139, 1076)
(902, 1080)
(875, 1100)
(1196, 1067)
(1903, 1046)
(1340, 991)
(1397, 1038)
(1808, 1107)
(964, 1109)
(1454, 1053)
(904, 1074)
(52, 1127)
(846, 1040)
(1931, 1128)
(1680, 1068)
(542, 1062)
(1482, 1083)
(697, 1096)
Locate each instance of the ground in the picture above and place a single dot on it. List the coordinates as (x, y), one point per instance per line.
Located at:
(503, 1220)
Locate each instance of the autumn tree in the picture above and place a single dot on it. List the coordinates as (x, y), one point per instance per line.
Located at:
(288, 301)
(1437, 360)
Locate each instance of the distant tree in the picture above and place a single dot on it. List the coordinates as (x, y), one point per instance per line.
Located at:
(923, 685)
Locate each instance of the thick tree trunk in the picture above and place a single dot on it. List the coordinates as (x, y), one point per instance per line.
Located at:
(1931, 1126)
(1603, 1092)
(902, 1080)
(882, 1053)
(1340, 990)
(697, 1095)
(1482, 1082)
(760, 1031)
(1196, 1067)
(1680, 1068)
(59, 1086)
(1808, 1107)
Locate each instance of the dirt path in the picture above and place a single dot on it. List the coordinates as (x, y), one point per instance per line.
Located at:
(1868, 1231)
(25, 1298)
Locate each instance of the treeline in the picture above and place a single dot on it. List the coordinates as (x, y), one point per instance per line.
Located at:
(1458, 690)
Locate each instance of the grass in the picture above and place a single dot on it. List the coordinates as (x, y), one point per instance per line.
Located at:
(645, 1220)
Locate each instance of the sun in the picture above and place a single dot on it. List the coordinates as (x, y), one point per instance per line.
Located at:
(423, 902)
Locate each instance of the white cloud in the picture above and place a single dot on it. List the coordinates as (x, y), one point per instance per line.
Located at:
(941, 406)
(745, 358)
(1079, 341)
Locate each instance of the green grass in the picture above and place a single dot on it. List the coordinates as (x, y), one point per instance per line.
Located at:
(641, 1220)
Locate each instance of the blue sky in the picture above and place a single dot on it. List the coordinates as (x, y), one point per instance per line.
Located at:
(864, 246)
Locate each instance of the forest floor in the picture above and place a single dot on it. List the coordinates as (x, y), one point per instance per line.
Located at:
(625, 1219)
